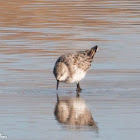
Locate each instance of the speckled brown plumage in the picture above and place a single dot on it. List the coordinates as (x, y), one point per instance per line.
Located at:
(81, 59)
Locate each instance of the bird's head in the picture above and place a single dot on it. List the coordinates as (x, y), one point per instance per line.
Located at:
(60, 72)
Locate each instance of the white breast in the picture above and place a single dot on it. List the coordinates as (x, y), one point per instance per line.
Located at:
(78, 75)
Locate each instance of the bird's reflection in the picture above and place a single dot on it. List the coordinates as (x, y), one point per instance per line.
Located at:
(73, 111)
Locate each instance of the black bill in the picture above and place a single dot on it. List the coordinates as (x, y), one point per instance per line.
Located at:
(57, 84)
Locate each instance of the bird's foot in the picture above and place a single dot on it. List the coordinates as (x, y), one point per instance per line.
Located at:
(78, 89)
(78, 93)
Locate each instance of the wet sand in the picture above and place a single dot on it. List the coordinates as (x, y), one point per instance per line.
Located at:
(34, 34)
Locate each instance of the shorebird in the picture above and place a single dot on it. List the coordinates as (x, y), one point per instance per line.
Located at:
(72, 67)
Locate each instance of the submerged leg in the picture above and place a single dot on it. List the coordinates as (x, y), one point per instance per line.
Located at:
(77, 94)
(78, 87)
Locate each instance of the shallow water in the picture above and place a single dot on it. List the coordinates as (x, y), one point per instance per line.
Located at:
(34, 34)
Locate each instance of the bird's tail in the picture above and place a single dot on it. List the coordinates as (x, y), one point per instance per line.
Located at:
(92, 51)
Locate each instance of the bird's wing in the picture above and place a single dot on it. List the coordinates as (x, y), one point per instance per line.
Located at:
(79, 59)
(83, 61)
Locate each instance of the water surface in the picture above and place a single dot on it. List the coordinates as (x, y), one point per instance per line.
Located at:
(34, 34)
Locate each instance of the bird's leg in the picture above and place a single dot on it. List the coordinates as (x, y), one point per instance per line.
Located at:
(78, 87)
